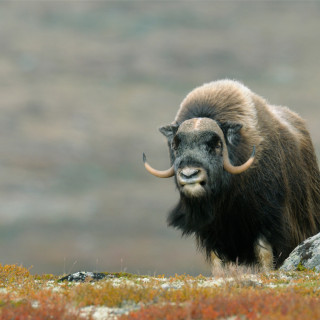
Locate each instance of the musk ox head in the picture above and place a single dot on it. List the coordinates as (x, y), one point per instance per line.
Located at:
(199, 156)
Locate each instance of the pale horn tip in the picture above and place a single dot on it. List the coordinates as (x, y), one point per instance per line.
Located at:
(158, 173)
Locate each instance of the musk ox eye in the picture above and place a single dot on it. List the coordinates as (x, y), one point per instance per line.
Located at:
(214, 143)
(218, 146)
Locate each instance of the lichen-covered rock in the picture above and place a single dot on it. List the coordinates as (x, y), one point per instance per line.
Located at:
(307, 254)
(83, 276)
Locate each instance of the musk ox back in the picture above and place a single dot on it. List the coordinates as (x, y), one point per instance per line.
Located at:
(246, 172)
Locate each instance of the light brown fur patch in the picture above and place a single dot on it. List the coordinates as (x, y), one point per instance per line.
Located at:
(263, 251)
(197, 124)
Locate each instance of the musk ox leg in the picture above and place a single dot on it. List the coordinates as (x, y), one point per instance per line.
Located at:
(264, 255)
(216, 263)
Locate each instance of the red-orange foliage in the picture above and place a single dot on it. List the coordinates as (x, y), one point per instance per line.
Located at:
(45, 307)
(249, 305)
(265, 296)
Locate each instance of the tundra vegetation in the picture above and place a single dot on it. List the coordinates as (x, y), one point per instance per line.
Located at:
(233, 293)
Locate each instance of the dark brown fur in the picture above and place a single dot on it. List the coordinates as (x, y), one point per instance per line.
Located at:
(277, 199)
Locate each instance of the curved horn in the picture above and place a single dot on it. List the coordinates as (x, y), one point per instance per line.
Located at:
(238, 169)
(160, 174)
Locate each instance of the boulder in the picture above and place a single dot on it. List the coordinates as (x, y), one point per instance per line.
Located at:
(306, 254)
(83, 276)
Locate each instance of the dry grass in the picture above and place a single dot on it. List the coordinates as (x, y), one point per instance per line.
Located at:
(234, 270)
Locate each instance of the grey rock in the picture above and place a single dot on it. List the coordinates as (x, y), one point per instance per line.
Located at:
(307, 254)
(82, 276)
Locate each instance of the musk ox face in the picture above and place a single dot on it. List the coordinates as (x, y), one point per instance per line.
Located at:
(198, 162)
(199, 156)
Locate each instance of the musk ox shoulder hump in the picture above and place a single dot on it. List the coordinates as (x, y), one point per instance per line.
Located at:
(223, 101)
(289, 120)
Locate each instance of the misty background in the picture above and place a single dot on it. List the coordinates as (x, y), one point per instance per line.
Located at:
(84, 87)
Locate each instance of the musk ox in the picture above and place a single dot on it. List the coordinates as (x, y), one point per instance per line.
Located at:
(246, 172)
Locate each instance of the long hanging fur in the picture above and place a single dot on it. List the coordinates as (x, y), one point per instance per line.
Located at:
(278, 198)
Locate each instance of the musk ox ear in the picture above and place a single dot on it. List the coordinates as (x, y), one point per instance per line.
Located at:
(169, 131)
(231, 131)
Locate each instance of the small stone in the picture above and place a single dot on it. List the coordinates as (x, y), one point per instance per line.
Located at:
(83, 276)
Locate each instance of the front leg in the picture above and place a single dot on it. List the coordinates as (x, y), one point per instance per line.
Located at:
(264, 254)
(216, 263)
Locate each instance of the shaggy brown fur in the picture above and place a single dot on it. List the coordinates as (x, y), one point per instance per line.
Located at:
(276, 201)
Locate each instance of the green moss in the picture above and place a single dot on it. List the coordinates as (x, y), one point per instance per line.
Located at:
(46, 277)
(301, 267)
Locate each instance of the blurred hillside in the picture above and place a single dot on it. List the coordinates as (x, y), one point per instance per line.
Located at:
(84, 87)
